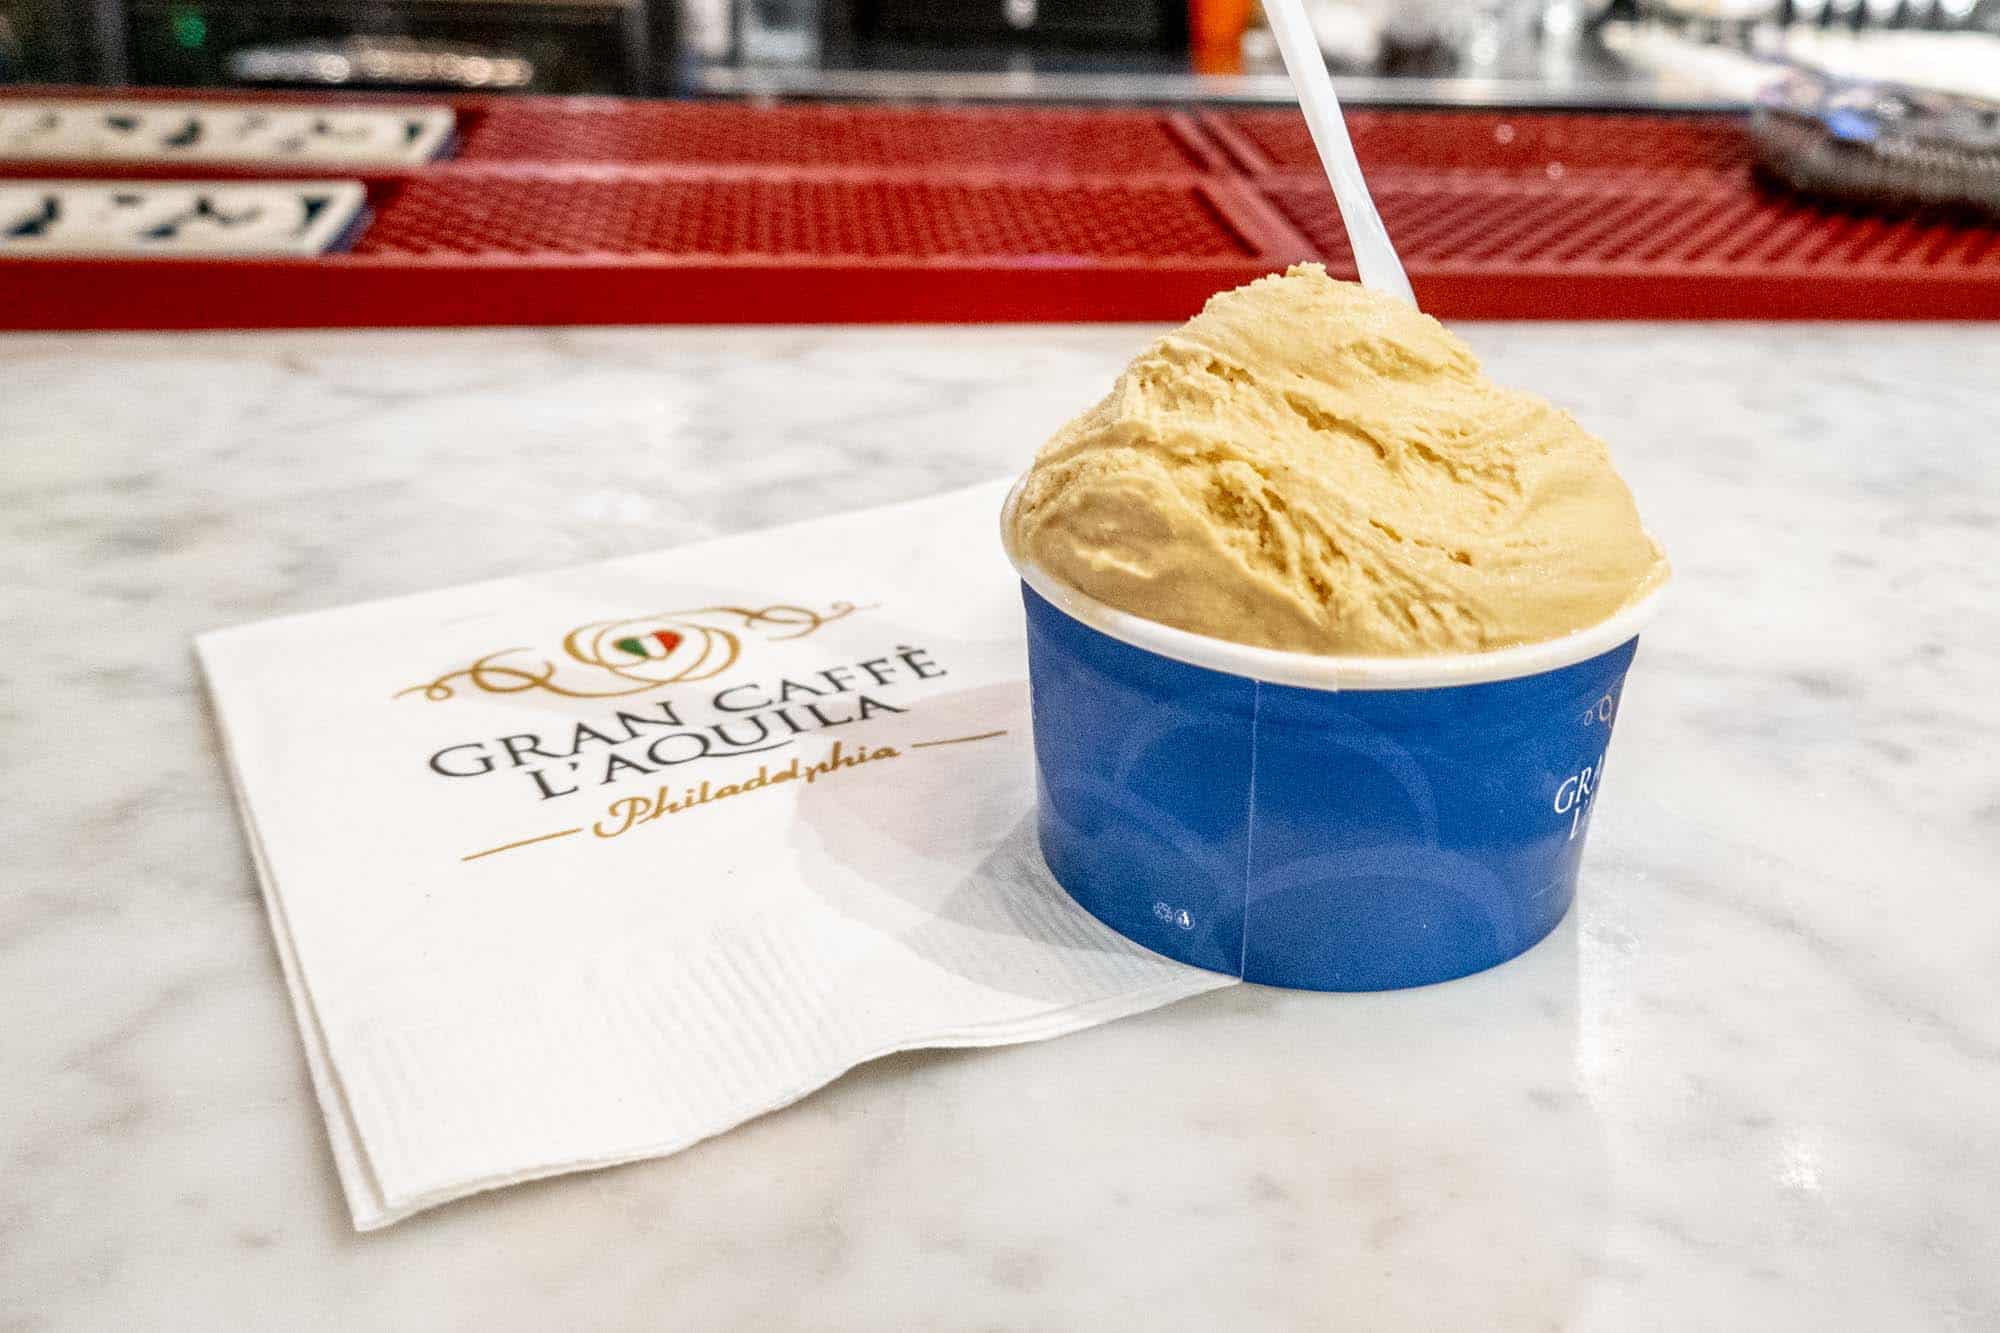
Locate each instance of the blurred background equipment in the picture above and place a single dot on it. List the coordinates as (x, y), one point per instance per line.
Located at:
(46, 41)
(381, 62)
(1655, 54)
(553, 46)
(1142, 24)
(572, 46)
(1880, 144)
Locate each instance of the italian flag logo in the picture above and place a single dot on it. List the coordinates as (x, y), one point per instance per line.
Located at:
(660, 643)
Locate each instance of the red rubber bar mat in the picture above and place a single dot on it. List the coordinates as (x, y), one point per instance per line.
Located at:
(1027, 141)
(592, 211)
(807, 220)
(1546, 143)
(1614, 217)
(1612, 249)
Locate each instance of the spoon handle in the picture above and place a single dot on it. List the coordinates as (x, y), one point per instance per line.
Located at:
(1374, 254)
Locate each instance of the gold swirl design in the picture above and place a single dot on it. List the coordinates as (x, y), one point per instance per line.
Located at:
(624, 650)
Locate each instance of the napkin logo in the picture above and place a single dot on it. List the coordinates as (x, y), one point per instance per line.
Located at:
(617, 740)
(615, 659)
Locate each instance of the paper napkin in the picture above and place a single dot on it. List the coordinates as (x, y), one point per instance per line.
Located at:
(582, 867)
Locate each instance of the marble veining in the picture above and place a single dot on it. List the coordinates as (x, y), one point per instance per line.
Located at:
(1752, 1083)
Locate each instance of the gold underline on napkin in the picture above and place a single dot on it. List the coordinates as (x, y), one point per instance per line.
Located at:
(959, 740)
(564, 833)
(525, 842)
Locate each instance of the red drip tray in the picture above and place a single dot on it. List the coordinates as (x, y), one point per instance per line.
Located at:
(567, 211)
(1544, 143)
(1024, 141)
(806, 221)
(1665, 248)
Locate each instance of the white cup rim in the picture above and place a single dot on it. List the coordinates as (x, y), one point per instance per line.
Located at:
(1315, 671)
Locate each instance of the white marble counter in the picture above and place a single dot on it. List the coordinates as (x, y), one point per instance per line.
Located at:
(1752, 1083)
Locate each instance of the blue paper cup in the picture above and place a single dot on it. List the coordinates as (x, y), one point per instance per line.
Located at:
(1329, 823)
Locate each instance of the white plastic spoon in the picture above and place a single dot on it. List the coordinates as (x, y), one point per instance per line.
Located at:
(1374, 254)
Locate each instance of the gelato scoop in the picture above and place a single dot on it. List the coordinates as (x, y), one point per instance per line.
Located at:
(1310, 466)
